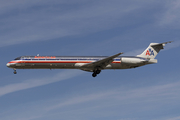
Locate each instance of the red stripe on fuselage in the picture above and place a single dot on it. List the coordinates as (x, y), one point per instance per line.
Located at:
(56, 62)
(15, 62)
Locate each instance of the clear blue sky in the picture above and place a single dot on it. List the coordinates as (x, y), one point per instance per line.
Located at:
(90, 27)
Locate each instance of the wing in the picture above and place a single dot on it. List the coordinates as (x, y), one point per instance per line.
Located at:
(101, 64)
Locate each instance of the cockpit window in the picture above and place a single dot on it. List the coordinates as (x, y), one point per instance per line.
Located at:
(18, 58)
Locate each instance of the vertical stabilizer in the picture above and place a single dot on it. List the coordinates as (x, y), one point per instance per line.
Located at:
(152, 50)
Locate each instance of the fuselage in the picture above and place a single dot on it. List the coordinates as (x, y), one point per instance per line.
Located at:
(72, 62)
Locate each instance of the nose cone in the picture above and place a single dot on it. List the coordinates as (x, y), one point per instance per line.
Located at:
(8, 64)
(11, 64)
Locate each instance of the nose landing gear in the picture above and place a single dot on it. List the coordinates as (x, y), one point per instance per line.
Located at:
(15, 71)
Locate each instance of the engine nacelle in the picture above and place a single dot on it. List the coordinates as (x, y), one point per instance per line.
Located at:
(132, 60)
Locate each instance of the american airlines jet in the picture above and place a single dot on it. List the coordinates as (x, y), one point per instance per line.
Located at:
(92, 64)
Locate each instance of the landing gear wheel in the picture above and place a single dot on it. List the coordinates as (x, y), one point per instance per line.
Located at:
(98, 71)
(94, 74)
(15, 72)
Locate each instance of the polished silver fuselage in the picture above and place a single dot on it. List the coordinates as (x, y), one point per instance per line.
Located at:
(69, 62)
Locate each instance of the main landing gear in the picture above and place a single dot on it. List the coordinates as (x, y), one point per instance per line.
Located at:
(95, 72)
(15, 71)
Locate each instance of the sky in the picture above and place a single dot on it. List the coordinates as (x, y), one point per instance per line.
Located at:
(90, 28)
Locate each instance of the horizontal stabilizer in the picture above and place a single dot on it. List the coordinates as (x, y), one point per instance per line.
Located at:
(161, 45)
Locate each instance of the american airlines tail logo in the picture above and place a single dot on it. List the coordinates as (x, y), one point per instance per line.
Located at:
(150, 52)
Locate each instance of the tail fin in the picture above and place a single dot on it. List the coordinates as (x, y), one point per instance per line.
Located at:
(152, 50)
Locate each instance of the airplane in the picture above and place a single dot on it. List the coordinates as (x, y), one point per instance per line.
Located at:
(92, 64)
